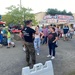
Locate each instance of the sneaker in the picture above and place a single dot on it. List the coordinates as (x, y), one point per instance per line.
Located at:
(52, 57)
(48, 55)
(37, 53)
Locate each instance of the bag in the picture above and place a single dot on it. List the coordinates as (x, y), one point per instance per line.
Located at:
(56, 45)
(4, 41)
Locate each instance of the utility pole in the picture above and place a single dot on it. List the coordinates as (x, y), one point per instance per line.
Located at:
(20, 4)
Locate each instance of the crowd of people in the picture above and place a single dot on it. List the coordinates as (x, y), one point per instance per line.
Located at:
(32, 39)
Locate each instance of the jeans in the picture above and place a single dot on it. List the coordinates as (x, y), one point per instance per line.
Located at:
(37, 44)
(71, 35)
(45, 39)
(51, 48)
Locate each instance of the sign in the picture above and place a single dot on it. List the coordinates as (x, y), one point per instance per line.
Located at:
(72, 21)
(65, 21)
(65, 17)
(52, 21)
(50, 17)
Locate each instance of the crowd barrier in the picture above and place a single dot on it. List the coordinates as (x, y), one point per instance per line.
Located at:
(39, 69)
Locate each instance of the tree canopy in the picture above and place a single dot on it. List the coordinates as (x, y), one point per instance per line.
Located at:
(55, 11)
(16, 15)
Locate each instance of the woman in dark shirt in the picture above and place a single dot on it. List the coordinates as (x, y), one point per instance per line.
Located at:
(52, 38)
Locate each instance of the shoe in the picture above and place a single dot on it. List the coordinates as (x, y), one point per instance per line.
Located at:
(52, 57)
(13, 46)
(8, 47)
(48, 55)
(37, 53)
(28, 64)
(24, 49)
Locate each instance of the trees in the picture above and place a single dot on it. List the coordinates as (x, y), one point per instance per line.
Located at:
(16, 15)
(55, 11)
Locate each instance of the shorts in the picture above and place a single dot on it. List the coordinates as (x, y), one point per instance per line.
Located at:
(9, 40)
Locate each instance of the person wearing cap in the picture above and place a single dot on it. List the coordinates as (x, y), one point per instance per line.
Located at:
(28, 33)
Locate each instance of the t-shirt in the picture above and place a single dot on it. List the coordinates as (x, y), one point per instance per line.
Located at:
(65, 30)
(52, 37)
(28, 34)
(8, 35)
(45, 31)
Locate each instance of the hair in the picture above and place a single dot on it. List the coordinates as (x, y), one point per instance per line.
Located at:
(38, 26)
(53, 28)
(54, 25)
(27, 22)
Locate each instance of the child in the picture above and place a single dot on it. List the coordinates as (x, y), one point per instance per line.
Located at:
(9, 39)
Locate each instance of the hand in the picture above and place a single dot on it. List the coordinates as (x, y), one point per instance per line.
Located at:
(53, 41)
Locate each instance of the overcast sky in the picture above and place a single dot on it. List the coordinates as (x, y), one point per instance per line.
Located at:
(39, 5)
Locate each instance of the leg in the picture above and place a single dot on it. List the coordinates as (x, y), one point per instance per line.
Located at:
(35, 44)
(32, 53)
(8, 41)
(38, 44)
(44, 40)
(53, 49)
(27, 55)
(50, 49)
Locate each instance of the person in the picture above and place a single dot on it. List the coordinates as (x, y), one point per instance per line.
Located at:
(45, 32)
(22, 37)
(29, 42)
(65, 31)
(37, 40)
(71, 32)
(9, 39)
(1, 39)
(52, 38)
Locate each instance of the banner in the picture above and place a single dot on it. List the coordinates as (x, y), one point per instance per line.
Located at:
(52, 21)
(50, 17)
(65, 17)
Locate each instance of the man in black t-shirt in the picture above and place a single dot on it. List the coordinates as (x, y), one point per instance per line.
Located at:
(28, 33)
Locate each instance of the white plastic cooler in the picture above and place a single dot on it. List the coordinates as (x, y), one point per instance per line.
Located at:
(39, 69)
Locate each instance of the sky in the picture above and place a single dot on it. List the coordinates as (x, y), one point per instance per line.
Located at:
(39, 5)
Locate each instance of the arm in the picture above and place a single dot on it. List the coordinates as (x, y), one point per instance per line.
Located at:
(55, 39)
(20, 34)
(42, 35)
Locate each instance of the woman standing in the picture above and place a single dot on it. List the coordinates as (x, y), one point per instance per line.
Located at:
(37, 40)
(52, 38)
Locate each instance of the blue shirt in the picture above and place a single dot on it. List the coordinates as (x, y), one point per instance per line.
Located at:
(65, 30)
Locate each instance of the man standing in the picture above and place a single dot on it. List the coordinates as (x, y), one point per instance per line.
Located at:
(29, 38)
(65, 31)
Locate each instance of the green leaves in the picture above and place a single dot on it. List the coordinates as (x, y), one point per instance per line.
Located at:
(16, 15)
(55, 11)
